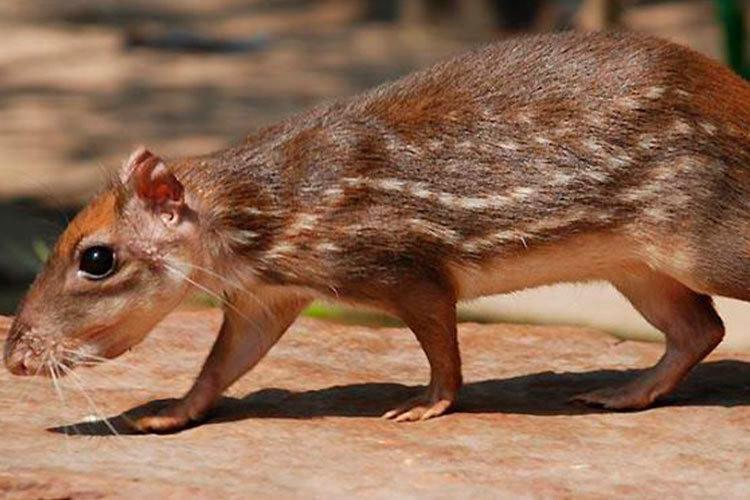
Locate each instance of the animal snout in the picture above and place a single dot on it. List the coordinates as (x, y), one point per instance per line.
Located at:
(17, 359)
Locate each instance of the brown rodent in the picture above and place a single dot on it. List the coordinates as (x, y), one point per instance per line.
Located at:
(569, 157)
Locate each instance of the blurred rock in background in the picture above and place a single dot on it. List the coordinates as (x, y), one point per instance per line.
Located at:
(84, 81)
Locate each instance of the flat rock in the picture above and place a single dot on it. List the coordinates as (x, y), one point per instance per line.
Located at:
(305, 422)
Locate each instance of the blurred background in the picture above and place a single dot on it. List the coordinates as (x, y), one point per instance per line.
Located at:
(84, 81)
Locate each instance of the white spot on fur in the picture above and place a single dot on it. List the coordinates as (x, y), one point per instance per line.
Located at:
(655, 92)
(596, 175)
(647, 142)
(509, 145)
(593, 146)
(281, 249)
(412, 149)
(532, 230)
(304, 222)
(682, 93)
(655, 214)
(542, 140)
(562, 178)
(244, 236)
(334, 192)
(391, 184)
(564, 127)
(628, 102)
(621, 159)
(431, 229)
(474, 203)
(522, 192)
(525, 118)
(253, 211)
(597, 120)
(446, 199)
(327, 247)
(420, 190)
(709, 128)
(680, 126)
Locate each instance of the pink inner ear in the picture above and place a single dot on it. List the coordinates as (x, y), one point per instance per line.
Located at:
(165, 186)
(153, 181)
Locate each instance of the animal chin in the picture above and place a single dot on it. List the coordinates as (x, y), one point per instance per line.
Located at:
(91, 345)
(116, 340)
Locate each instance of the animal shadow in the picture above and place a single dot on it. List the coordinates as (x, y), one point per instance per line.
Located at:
(717, 383)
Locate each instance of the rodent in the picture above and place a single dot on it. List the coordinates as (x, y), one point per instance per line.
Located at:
(544, 159)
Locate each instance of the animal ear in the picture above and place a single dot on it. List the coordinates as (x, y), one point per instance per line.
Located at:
(154, 184)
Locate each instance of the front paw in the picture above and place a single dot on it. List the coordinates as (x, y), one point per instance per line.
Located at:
(431, 404)
(167, 420)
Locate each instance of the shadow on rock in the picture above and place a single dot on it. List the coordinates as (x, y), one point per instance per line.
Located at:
(718, 383)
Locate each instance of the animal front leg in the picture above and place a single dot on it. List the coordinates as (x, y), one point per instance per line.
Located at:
(252, 325)
(430, 313)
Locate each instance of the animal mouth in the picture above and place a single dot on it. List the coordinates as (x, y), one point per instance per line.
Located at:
(26, 362)
(31, 356)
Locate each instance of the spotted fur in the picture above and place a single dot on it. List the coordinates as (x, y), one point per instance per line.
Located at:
(567, 157)
(506, 149)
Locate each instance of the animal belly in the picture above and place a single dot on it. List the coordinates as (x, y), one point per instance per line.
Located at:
(581, 258)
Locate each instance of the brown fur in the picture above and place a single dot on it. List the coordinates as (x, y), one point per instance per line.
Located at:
(566, 157)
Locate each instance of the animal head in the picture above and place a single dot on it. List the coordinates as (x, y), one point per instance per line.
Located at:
(119, 267)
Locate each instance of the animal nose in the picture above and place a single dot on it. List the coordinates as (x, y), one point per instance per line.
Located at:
(16, 359)
(16, 363)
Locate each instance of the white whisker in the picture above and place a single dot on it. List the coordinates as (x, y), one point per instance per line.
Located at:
(76, 379)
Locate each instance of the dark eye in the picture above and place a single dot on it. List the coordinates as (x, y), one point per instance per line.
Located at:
(97, 262)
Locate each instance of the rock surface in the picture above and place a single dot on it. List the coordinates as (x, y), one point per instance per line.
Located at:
(304, 423)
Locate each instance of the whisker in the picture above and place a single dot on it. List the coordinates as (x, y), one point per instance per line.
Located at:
(114, 380)
(86, 359)
(29, 389)
(210, 292)
(54, 377)
(234, 285)
(77, 381)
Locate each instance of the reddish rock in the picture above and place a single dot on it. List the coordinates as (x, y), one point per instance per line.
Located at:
(304, 423)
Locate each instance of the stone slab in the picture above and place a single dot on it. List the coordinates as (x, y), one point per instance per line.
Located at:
(305, 422)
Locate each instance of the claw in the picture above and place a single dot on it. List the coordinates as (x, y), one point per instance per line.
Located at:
(420, 408)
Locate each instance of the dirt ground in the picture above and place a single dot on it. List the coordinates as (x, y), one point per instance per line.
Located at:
(305, 423)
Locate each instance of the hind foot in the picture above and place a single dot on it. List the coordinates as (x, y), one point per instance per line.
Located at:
(618, 398)
(636, 395)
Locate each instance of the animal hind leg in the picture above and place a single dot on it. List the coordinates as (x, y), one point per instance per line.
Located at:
(692, 329)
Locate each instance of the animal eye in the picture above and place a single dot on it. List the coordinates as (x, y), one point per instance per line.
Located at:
(97, 262)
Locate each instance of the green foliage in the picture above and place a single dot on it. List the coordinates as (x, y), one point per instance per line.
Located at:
(731, 17)
(41, 250)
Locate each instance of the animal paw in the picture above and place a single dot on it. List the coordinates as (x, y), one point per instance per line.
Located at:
(420, 408)
(167, 420)
(627, 397)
